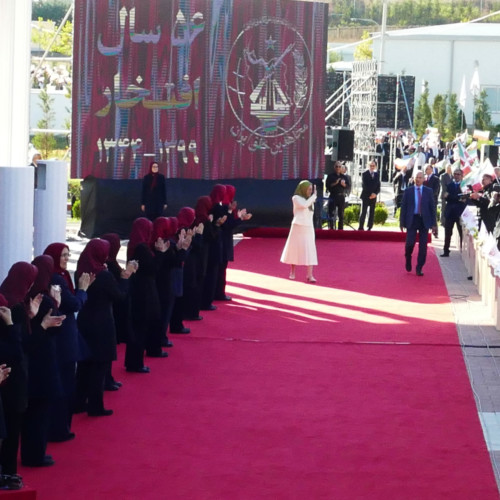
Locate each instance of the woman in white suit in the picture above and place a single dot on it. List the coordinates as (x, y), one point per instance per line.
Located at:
(300, 247)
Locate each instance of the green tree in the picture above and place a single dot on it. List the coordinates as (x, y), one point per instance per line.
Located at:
(439, 113)
(453, 118)
(423, 115)
(50, 9)
(43, 141)
(482, 115)
(44, 32)
(364, 51)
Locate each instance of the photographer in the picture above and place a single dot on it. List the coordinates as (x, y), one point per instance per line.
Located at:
(488, 208)
(337, 184)
(455, 205)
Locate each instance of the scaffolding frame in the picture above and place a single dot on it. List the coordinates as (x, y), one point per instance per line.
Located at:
(363, 114)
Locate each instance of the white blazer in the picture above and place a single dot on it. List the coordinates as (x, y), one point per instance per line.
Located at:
(301, 213)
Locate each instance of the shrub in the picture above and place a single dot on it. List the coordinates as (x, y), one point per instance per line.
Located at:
(74, 188)
(351, 214)
(381, 214)
(75, 210)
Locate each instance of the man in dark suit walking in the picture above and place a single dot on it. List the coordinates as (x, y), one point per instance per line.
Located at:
(455, 205)
(370, 189)
(418, 213)
(432, 181)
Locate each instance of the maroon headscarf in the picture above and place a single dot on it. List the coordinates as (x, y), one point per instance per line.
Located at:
(16, 285)
(162, 228)
(3, 301)
(185, 217)
(55, 250)
(141, 231)
(93, 258)
(202, 209)
(229, 195)
(174, 224)
(45, 266)
(217, 194)
(114, 245)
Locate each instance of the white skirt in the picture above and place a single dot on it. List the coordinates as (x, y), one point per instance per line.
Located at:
(300, 247)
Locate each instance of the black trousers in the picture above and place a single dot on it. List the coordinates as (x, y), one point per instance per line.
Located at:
(365, 204)
(411, 238)
(35, 430)
(10, 445)
(61, 412)
(448, 231)
(336, 201)
(220, 289)
(90, 385)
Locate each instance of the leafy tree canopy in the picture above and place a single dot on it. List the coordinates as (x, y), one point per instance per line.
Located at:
(50, 9)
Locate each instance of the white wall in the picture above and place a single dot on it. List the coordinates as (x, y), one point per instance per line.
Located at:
(443, 64)
(61, 108)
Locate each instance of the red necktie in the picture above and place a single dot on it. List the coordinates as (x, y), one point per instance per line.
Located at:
(419, 197)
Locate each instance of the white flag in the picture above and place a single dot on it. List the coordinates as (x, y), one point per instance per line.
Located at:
(475, 87)
(463, 94)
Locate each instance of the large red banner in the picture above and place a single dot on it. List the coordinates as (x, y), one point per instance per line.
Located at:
(212, 89)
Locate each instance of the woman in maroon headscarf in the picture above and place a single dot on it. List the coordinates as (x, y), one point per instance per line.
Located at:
(70, 346)
(121, 310)
(185, 219)
(164, 229)
(234, 219)
(97, 325)
(144, 300)
(14, 390)
(215, 250)
(44, 379)
(204, 234)
(154, 195)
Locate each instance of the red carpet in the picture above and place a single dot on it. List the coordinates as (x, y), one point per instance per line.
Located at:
(340, 390)
(322, 234)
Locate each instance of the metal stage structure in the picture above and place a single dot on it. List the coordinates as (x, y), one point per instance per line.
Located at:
(363, 101)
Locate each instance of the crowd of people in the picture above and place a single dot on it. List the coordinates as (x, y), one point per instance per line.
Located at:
(59, 335)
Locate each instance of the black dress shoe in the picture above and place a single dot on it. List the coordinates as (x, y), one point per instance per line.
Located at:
(82, 408)
(100, 413)
(144, 369)
(419, 272)
(111, 387)
(224, 297)
(46, 462)
(169, 344)
(161, 354)
(445, 254)
(11, 482)
(182, 330)
(408, 264)
(62, 439)
(118, 384)
(195, 318)
(211, 307)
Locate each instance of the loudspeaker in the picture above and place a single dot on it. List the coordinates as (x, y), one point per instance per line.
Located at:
(329, 163)
(490, 152)
(343, 144)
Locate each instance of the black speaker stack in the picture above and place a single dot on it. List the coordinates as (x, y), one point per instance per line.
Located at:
(386, 101)
(491, 152)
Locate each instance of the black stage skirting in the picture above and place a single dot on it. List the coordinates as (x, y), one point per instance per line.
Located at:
(110, 206)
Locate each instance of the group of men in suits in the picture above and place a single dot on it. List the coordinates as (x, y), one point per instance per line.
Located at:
(418, 210)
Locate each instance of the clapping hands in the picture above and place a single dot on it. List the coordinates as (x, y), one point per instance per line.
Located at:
(34, 305)
(50, 321)
(243, 214)
(162, 245)
(4, 372)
